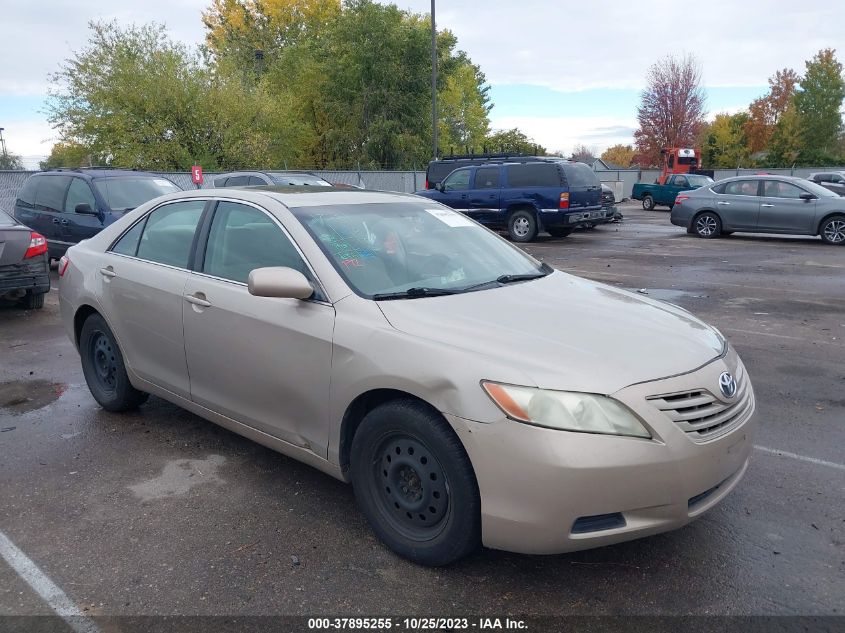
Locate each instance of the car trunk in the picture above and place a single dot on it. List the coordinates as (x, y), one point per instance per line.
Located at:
(14, 241)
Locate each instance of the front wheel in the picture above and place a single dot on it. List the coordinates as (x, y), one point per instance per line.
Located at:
(559, 231)
(832, 230)
(648, 203)
(103, 367)
(415, 484)
(707, 225)
(522, 226)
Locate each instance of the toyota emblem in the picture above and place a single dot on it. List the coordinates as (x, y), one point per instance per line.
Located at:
(727, 385)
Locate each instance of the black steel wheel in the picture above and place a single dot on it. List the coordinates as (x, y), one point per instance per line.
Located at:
(415, 484)
(103, 367)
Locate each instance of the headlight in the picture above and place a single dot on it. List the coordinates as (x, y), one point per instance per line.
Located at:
(565, 410)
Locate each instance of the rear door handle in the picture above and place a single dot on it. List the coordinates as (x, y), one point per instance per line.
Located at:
(108, 272)
(722, 202)
(198, 301)
(767, 206)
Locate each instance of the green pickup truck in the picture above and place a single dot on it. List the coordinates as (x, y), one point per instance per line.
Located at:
(654, 194)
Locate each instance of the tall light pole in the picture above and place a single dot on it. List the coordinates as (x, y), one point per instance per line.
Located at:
(433, 83)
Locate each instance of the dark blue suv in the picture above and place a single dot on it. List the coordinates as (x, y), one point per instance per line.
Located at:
(69, 205)
(525, 196)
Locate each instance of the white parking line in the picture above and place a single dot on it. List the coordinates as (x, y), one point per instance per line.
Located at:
(44, 587)
(802, 458)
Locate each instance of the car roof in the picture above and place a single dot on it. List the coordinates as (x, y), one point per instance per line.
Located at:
(303, 196)
(99, 173)
(763, 177)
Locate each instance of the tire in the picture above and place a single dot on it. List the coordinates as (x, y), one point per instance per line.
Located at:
(33, 301)
(832, 230)
(648, 203)
(103, 367)
(522, 226)
(415, 485)
(707, 225)
(559, 232)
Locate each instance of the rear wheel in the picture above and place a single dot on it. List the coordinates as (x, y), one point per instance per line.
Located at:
(648, 202)
(559, 232)
(832, 230)
(707, 225)
(103, 367)
(415, 484)
(33, 301)
(522, 226)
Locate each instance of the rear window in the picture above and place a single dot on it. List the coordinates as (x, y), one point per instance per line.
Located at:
(123, 194)
(579, 175)
(534, 175)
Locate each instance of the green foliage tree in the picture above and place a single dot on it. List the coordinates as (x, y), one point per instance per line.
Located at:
(724, 142)
(513, 141)
(10, 161)
(69, 154)
(818, 104)
(464, 106)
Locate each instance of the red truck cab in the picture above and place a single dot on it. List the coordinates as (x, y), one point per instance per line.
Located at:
(679, 160)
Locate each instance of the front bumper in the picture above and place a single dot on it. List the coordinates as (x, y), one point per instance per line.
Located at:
(535, 483)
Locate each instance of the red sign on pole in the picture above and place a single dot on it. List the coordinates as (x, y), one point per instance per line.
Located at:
(196, 174)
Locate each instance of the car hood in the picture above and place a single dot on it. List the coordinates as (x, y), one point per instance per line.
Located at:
(564, 332)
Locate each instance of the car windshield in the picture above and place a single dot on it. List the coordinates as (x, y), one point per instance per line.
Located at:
(124, 194)
(818, 190)
(697, 180)
(410, 249)
(299, 180)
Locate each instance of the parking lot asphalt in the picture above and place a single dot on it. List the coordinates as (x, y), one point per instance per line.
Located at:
(160, 512)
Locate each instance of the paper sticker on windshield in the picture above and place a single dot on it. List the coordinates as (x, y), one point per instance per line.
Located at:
(162, 182)
(452, 218)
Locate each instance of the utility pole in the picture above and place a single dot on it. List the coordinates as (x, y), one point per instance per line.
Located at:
(433, 83)
(3, 141)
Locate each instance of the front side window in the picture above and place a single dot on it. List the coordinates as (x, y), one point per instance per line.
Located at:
(243, 238)
(395, 247)
(51, 193)
(126, 193)
(457, 180)
(169, 233)
(79, 193)
(779, 189)
(681, 181)
(741, 188)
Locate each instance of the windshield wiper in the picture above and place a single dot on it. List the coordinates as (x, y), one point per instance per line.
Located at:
(413, 293)
(508, 279)
(545, 269)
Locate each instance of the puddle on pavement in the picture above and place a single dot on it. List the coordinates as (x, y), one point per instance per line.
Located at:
(23, 396)
(179, 476)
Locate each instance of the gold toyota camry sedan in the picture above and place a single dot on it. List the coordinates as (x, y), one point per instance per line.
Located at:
(471, 394)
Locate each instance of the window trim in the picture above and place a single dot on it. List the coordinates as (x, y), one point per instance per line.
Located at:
(202, 245)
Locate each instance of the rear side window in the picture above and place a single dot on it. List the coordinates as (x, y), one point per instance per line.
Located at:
(238, 181)
(579, 175)
(487, 178)
(51, 193)
(221, 182)
(741, 188)
(255, 180)
(128, 243)
(26, 197)
(169, 233)
(534, 175)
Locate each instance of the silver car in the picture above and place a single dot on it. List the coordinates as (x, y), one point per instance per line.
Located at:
(762, 204)
(468, 392)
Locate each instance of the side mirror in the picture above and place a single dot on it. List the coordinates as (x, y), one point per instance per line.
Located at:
(807, 196)
(440, 187)
(85, 209)
(279, 282)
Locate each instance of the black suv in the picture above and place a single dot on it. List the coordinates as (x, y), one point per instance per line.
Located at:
(67, 206)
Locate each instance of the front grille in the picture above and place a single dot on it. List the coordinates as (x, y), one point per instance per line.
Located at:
(701, 415)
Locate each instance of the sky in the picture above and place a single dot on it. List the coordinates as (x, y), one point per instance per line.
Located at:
(564, 72)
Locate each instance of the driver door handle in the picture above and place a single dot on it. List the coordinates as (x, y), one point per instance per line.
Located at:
(767, 206)
(108, 272)
(198, 300)
(722, 202)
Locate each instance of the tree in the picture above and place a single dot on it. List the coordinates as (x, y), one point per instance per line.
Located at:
(464, 106)
(10, 161)
(671, 109)
(513, 141)
(765, 112)
(725, 143)
(68, 154)
(818, 104)
(622, 155)
(785, 143)
(583, 154)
